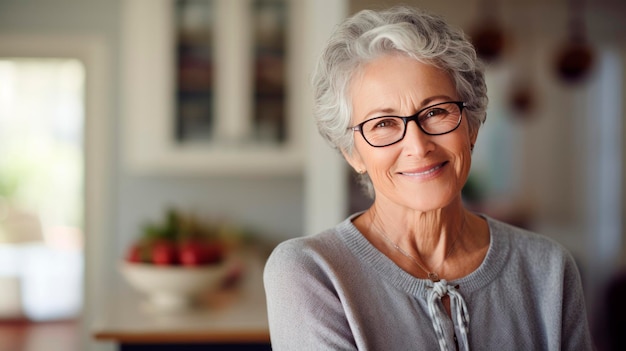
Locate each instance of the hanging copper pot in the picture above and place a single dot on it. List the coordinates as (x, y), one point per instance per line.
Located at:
(575, 59)
(488, 35)
(489, 40)
(522, 99)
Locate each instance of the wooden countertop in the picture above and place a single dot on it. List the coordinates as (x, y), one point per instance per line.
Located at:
(236, 314)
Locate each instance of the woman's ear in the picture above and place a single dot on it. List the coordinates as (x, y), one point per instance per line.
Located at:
(355, 160)
(473, 135)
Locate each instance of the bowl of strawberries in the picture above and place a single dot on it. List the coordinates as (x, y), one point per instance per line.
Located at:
(176, 262)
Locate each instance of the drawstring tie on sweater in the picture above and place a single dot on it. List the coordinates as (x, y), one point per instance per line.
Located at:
(458, 311)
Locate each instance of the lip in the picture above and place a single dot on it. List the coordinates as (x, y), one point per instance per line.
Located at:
(425, 172)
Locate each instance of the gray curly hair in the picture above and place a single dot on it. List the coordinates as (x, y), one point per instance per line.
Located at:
(369, 35)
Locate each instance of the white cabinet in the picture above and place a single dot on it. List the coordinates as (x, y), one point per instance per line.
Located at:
(235, 144)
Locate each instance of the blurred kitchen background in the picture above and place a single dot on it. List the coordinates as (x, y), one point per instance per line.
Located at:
(113, 111)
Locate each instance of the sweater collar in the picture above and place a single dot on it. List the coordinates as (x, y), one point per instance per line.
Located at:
(487, 271)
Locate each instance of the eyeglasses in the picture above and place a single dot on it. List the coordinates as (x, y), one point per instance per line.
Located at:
(438, 119)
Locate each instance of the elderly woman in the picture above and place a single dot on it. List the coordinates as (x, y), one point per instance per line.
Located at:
(402, 95)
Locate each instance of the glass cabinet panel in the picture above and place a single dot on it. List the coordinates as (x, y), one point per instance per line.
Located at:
(194, 69)
(269, 69)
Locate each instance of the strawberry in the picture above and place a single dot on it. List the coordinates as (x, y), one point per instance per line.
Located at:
(164, 253)
(134, 254)
(196, 252)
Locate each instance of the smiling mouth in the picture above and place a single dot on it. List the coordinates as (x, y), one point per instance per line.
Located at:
(426, 172)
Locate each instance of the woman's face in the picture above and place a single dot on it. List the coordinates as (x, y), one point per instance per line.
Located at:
(421, 172)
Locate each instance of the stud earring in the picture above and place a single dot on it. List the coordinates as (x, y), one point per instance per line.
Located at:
(360, 171)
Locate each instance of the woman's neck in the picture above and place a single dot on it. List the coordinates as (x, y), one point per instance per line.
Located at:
(426, 236)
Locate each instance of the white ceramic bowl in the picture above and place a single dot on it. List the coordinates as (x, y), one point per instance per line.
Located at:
(174, 287)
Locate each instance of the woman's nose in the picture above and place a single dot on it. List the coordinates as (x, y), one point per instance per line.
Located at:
(415, 140)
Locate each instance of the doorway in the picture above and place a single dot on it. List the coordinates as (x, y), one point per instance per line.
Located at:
(42, 209)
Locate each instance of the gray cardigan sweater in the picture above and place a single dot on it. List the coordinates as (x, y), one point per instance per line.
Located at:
(335, 291)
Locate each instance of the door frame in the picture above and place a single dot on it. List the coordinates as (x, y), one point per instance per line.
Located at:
(93, 53)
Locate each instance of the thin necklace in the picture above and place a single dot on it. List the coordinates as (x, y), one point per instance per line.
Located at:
(431, 274)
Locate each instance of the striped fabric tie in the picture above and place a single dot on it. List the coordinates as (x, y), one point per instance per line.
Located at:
(459, 313)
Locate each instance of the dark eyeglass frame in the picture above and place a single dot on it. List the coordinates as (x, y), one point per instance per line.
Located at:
(460, 104)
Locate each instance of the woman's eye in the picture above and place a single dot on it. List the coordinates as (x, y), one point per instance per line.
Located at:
(435, 112)
(385, 123)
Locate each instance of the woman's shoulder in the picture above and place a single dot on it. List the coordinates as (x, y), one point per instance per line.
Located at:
(310, 252)
(306, 246)
(527, 242)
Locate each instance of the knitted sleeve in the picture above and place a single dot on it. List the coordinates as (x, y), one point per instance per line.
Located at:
(304, 310)
(575, 332)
